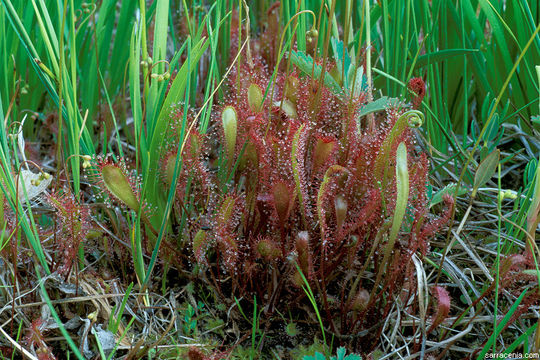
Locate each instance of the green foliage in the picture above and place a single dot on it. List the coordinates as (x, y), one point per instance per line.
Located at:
(191, 318)
(305, 64)
(302, 351)
(485, 170)
(340, 355)
(449, 189)
(455, 50)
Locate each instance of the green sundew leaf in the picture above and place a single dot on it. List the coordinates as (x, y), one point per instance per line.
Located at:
(402, 185)
(378, 105)
(305, 64)
(412, 118)
(229, 121)
(438, 56)
(450, 190)
(486, 170)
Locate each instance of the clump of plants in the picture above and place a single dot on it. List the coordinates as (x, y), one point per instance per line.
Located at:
(72, 227)
(302, 198)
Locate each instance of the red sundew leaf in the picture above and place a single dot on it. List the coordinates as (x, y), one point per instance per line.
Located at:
(255, 98)
(323, 190)
(433, 226)
(200, 246)
(298, 166)
(282, 196)
(268, 249)
(304, 255)
(195, 354)
(73, 225)
(512, 262)
(36, 339)
(443, 306)
(167, 166)
(229, 251)
(324, 147)
(226, 211)
(367, 214)
(418, 87)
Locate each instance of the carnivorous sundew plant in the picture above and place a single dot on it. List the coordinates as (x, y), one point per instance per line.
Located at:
(297, 191)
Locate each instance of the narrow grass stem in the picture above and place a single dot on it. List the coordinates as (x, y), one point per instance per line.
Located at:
(484, 129)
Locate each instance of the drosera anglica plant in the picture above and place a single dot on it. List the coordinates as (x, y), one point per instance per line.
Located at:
(35, 339)
(302, 185)
(72, 224)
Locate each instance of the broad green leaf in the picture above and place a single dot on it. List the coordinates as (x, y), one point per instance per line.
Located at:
(486, 170)
(341, 55)
(305, 64)
(378, 105)
(450, 189)
(341, 353)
